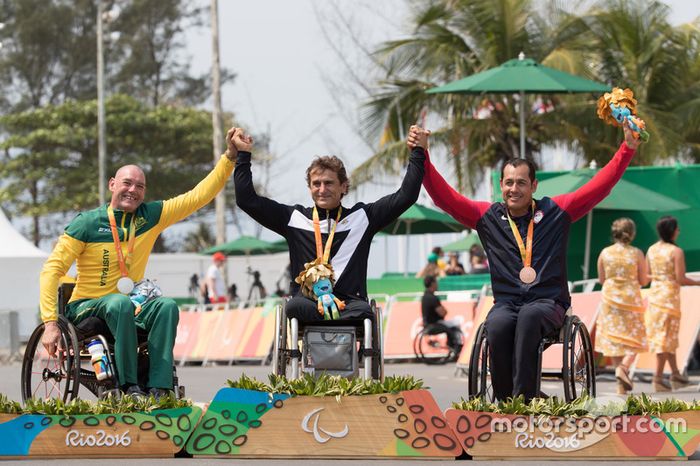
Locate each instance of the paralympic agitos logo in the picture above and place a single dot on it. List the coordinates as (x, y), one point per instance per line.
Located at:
(321, 435)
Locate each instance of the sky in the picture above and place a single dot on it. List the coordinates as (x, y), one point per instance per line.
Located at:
(283, 62)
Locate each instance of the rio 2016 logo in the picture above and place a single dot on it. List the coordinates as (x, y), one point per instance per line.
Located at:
(99, 439)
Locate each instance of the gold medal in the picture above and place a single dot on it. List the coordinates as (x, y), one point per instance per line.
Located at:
(528, 275)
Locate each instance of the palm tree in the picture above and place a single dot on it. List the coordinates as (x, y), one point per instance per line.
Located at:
(453, 39)
(635, 46)
(627, 43)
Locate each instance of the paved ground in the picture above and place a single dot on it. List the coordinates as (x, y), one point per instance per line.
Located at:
(203, 382)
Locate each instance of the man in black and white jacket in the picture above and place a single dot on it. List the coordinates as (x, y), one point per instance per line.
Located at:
(328, 182)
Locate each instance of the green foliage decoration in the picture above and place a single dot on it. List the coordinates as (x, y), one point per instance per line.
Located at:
(110, 405)
(584, 406)
(328, 385)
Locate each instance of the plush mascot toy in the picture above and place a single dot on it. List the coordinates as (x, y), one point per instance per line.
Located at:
(328, 304)
(615, 106)
(317, 282)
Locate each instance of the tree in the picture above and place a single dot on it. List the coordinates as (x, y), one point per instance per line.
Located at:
(48, 52)
(453, 39)
(151, 65)
(626, 43)
(198, 239)
(634, 45)
(50, 155)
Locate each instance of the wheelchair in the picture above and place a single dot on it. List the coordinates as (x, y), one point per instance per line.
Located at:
(578, 365)
(60, 376)
(431, 345)
(289, 360)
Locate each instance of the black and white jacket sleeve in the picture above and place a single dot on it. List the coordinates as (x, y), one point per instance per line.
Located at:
(270, 214)
(388, 208)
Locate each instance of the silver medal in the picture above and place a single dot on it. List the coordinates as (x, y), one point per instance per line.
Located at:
(125, 285)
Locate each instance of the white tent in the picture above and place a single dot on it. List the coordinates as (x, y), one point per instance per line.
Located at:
(20, 264)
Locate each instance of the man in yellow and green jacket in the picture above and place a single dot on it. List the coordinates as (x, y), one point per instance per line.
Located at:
(89, 240)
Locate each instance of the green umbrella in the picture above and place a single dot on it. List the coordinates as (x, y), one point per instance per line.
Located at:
(281, 243)
(624, 196)
(463, 244)
(419, 219)
(246, 246)
(522, 76)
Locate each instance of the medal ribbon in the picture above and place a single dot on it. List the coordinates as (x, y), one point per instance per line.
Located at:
(322, 252)
(525, 252)
(118, 244)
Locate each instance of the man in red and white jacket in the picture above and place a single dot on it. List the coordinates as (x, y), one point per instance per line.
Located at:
(525, 240)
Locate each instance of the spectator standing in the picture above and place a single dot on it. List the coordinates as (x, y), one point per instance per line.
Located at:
(621, 333)
(666, 267)
(216, 287)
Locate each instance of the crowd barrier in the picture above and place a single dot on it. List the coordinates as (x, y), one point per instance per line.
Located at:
(223, 334)
(246, 334)
(404, 320)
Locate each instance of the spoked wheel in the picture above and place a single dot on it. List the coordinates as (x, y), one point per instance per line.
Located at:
(51, 376)
(578, 365)
(479, 373)
(432, 348)
(280, 352)
(377, 346)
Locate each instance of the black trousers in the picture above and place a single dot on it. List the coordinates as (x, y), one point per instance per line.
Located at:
(513, 333)
(306, 309)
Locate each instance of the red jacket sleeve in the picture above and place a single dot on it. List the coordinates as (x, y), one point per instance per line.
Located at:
(580, 202)
(463, 209)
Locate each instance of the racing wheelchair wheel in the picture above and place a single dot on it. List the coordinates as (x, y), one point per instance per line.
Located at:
(578, 368)
(51, 376)
(280, 352)
(479, 372)
(430, 345)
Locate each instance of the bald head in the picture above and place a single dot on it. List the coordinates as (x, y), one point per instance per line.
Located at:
(131, 171)
(128, 187)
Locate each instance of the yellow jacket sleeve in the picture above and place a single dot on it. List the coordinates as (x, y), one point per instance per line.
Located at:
(179, 207)
(62, 257)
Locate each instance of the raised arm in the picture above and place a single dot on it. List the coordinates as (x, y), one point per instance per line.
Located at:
(387, 209)
(463, 209)
(268, 213)
(185, 204)
(581, 201)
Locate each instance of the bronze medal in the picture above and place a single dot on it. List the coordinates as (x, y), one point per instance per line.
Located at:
(528, 275)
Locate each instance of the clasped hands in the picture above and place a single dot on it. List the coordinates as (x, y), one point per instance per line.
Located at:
(237, 140)
(417, 137)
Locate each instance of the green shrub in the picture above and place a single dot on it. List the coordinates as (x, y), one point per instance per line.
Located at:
(327, 385)
(585, 405)
(110, 405)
